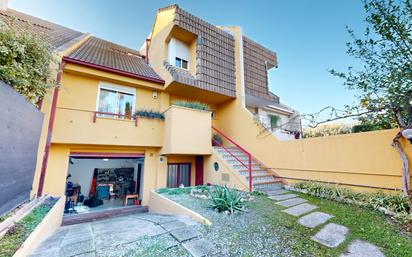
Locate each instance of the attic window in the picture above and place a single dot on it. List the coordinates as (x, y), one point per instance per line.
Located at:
(181, 63)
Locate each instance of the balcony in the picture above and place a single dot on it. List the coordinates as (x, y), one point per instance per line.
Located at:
(74, 126)
(187, 131)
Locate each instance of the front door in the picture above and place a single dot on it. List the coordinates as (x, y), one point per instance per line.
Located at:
(178, 174)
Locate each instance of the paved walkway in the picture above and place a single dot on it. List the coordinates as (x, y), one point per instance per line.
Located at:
(134, 235)
(330, 235)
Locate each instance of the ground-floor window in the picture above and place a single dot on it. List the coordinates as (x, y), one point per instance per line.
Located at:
(101, 183)
(178, 174)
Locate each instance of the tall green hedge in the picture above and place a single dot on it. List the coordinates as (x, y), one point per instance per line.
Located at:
(25, 62)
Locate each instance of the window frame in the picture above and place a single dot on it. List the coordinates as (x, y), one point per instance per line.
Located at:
(181, 63)
(117, 89)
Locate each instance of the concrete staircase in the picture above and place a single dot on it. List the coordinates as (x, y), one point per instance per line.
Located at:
(263, 178)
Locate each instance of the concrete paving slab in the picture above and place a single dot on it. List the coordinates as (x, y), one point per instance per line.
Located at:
(76, 248)
(173, 225)
(184, 234)
(282, 197)
(300, 209)
(359, 248)
(291, 202)
(277, 192)
(314, 219)
(331, 235)
(199, 247)
(157, 218)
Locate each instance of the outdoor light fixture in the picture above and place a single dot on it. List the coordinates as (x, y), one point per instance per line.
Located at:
(407, 133)
(105, 159)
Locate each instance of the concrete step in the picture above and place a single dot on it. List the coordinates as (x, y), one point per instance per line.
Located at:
(267, 186)
(234, 161)
(242, 167)
(254, 172)
(261, 178)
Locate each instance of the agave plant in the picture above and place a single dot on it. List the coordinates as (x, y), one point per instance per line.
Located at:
(227, 199)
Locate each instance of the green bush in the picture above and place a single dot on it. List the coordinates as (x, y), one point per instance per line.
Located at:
(227, 199)
(26, 63)
(396, 205)
(149, 114)
(192, 105)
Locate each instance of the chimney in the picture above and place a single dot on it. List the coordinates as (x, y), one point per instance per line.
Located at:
(4, 5)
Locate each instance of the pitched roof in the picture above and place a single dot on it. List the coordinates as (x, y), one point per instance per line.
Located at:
(102, 54)
(55, 35)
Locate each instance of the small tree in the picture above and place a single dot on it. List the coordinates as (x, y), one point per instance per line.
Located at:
(384, 83)
(26, 62)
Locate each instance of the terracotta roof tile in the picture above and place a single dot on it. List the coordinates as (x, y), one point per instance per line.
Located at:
(54, 34)
(107, 54)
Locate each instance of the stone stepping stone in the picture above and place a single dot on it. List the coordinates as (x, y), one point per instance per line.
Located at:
(300, 209)
(291, 202)
(359, 248)
(199, 247)
(184, 234)
(173, 225)
(331, 235)
(282, 197)
(314, 219)
(277, 192)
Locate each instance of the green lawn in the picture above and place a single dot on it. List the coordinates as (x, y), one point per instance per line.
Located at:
(364, 224)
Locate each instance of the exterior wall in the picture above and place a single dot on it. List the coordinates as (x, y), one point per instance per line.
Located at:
(225, 174)
(75, 110)
(187, 131)
(364, 159)
(257, 61)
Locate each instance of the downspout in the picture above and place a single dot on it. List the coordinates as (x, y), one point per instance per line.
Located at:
(50, 130)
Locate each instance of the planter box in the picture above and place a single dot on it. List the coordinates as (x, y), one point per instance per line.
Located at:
(50, 223)
(187, 131)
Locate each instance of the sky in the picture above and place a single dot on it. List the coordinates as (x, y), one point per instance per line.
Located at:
(309, 37)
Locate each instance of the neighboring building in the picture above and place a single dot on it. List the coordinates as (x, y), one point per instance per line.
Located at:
(92, 139)
(280, 119)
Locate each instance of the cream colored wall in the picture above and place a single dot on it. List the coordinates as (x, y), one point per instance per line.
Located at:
(362, 159)
(187, 131)
(216, 177)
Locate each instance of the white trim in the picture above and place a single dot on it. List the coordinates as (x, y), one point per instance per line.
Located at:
(117, 88)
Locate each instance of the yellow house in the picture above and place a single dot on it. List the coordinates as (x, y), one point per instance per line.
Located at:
(93, 146)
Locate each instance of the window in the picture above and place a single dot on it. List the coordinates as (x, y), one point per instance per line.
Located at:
(181, 63)
(178, 53)
(116, 100)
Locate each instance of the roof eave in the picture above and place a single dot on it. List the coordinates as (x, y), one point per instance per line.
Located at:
(112, 70)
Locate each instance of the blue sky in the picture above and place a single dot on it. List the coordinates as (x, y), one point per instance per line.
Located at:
(308, 36)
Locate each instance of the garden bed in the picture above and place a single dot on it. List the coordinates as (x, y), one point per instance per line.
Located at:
(264, 230)
(21, 230)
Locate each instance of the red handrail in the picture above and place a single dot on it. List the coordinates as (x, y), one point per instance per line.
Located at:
(115, 114)
(249, 155)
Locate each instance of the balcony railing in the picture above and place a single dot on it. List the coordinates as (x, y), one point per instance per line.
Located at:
(130, 117)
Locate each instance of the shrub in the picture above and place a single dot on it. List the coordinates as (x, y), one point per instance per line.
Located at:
(149, 114)
(225, 199)
(327, 130)
(26, 63)
(396, 205)
(192, 105)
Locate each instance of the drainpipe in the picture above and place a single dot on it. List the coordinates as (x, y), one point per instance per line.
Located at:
(50, 130)
(148, 41)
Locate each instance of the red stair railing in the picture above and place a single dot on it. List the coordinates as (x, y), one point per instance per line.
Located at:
(248, 166)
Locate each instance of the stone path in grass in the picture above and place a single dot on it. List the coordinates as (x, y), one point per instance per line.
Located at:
(133, 235)
(331, 234)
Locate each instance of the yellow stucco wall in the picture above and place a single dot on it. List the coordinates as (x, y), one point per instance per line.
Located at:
(362, 159)
(187, 131)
